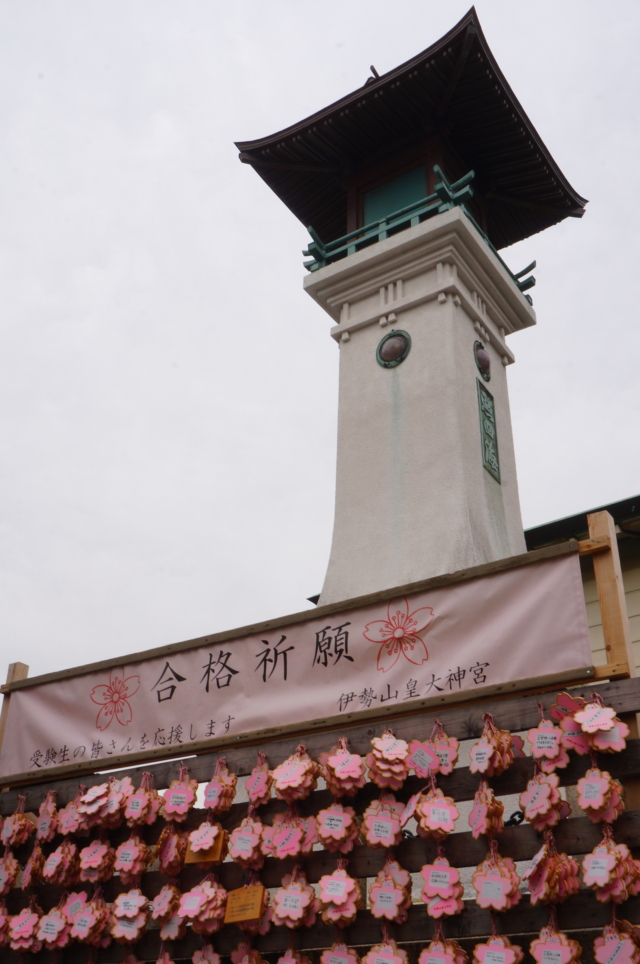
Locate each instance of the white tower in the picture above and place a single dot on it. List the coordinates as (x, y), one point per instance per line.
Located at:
(426, 475)
(422, 302)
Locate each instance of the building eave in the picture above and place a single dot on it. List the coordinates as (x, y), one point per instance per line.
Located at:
(626, 513)
(454, 89)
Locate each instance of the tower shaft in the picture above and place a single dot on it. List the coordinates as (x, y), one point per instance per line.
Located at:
(426, 477)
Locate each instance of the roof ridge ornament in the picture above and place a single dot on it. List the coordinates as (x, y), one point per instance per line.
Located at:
(374, 76)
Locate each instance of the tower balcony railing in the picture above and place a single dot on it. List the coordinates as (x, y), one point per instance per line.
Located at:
(446, 196)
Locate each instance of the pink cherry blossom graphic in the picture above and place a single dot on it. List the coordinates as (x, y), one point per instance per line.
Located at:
(113, 699)
(398, 634)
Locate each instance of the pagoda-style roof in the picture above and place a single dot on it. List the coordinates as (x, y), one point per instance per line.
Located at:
(454, 92)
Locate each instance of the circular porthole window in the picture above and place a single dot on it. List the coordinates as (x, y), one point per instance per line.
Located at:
(393, 349)
(483, 361)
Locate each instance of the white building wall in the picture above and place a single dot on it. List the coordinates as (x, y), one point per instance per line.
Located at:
(631, 579)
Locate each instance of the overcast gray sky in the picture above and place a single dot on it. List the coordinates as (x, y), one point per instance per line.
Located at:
(168, 393)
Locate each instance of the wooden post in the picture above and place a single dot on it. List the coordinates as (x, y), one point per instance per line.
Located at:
(613, 605)
(16, 671)
(615, 621)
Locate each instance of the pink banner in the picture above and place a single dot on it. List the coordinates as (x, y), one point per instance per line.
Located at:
(521, 623)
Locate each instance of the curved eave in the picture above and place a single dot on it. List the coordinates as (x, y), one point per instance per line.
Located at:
(453, 88)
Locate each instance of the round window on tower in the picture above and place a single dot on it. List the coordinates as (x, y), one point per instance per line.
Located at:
(393, 349)
(483, 361)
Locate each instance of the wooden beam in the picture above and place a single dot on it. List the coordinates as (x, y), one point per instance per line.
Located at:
(581, 916)
(575, 835)
(586, 547)
(460, 785)
(582, 912)
(15, 672)
(463, 722)
(612, 671)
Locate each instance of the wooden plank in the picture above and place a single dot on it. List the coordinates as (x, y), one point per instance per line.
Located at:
(460, 785)
(463, 722)
(576, 836)
(16, 671)
(612, 671)
(448, 579)
(587, 547)
(582, 912)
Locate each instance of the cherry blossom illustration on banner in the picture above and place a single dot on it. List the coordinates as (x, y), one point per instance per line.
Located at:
(113, 699)
(398, 634)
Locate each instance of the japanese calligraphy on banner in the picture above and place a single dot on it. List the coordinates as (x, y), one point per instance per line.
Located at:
(520, 623)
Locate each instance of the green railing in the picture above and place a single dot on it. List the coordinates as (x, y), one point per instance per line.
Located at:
(445, 197)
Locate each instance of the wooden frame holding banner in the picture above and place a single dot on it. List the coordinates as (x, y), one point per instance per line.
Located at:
(601, 545)
(581, 916)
